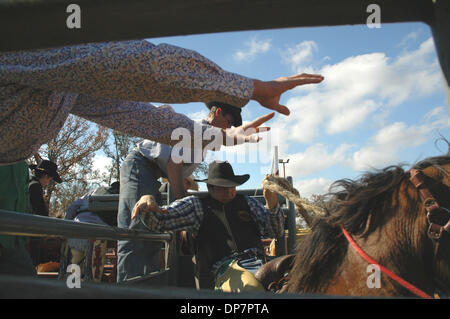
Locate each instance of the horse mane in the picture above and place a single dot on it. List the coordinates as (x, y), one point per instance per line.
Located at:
(361, 206)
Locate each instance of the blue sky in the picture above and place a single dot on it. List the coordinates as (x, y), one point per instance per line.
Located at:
(381, 103)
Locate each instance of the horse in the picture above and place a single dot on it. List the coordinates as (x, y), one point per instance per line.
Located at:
(386, 234)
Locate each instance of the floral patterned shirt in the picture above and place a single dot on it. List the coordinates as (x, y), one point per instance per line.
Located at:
(107, 83)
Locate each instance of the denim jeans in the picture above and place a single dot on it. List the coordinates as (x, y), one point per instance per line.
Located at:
(250, 259)
(137, 178)
(252, 264)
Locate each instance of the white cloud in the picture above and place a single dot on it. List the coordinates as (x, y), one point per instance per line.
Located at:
(256, 153)
(316, 158)
(398, 133)
(412, 74)
(198, 116)
(437, 112)
(253, 47)
(356, 89)
(384, 147)
(346, 118)
(371, 157)
(438, 118)
(409, 38)
(300, 56)
(315, 186)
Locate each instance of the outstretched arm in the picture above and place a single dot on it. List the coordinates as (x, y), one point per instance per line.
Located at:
(182, 214)
(161, 123)
(142, 71)
(268, 93)
(109, 83)
(127, 70)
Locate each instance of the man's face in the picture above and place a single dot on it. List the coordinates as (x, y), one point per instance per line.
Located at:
(222, 120)
(45, 180)
(222, 194)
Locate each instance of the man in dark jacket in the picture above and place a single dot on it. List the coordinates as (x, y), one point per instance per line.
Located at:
(140, 173)
(222, 223)
(43, 174)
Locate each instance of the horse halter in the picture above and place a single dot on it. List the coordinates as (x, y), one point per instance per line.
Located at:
(438, 217)
(438, 230)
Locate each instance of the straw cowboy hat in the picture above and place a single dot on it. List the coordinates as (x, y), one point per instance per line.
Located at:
(48, 167)
(221, 174)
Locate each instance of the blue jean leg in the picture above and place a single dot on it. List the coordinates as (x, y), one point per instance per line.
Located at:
(136, 258)
(251, 264)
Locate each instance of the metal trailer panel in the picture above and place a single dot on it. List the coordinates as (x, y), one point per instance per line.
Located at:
(33, 24)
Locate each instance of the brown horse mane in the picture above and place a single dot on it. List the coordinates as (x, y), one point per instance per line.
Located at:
(361, 206)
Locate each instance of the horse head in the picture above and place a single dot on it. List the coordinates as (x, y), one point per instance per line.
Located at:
(387, 224)
(432, 183)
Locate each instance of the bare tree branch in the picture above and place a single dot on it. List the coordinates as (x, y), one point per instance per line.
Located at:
(73, 151)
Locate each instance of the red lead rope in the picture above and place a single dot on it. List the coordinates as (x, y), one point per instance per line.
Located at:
(399, 280)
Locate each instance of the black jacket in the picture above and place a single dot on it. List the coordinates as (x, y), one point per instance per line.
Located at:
(214, 241)
(38, 206)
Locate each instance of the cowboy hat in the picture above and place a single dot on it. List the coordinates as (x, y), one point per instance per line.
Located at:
(221, 174)
(50, 168)
(234, 111)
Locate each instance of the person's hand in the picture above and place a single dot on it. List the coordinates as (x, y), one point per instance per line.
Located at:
(270, 197)
(245, 132)
(147, 204)
(268, 93)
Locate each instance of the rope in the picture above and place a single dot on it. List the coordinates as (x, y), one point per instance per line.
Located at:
(386, 271)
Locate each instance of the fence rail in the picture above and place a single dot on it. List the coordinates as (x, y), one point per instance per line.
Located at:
(19, 224)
